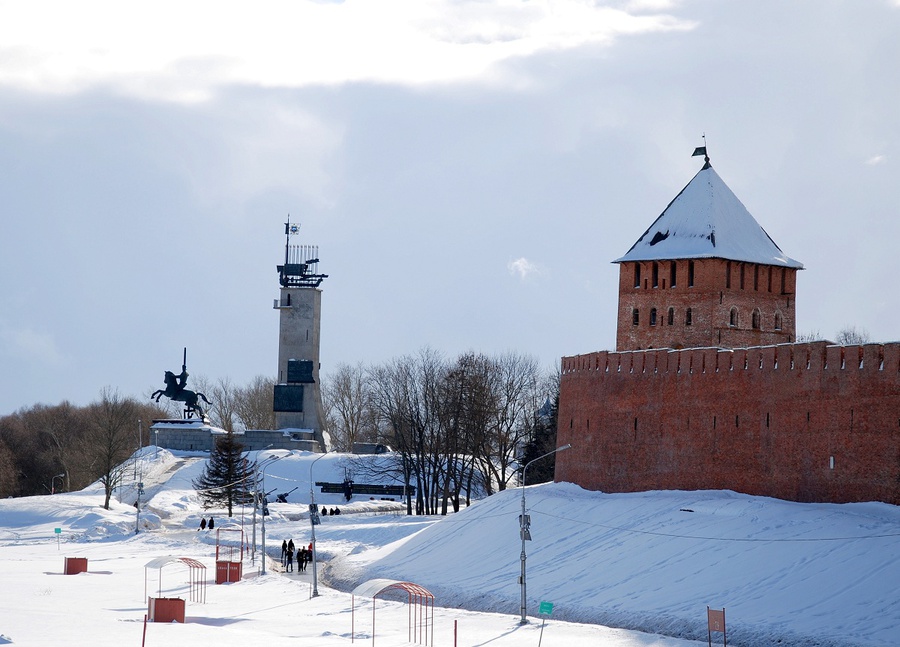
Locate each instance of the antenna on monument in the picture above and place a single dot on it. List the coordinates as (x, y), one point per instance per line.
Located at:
(701, 150)
(300, 267)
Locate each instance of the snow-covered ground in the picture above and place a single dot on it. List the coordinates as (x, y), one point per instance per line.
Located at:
(786, 573)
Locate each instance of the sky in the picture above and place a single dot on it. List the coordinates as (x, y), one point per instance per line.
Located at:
(467, 169)
(785, 573)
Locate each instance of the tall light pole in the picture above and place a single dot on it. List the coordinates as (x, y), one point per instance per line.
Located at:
(268, 463)
(256, 500)
(313, 520)
(524, 523)
(53, 481)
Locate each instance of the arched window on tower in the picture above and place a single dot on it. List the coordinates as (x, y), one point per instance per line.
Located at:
(635, 317)
(655, 274)
(688, 317)
(637, 275)
(673, 273)
(777, 320)
(652, 316)
(671, 318)
(733, 318)
(755, 319)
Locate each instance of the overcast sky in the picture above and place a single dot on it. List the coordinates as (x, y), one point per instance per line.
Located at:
(469, 170)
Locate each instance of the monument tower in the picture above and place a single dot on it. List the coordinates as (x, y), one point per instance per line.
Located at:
(298, 401)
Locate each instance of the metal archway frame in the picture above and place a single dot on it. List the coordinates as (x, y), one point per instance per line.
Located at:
(419, 599)
(196, 576)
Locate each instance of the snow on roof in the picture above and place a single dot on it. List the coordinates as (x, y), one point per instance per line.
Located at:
(706, 220)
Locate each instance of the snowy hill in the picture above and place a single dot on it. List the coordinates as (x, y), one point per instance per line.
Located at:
(786, 573)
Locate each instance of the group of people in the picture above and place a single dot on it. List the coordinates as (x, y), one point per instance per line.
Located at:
(304, 556)
(204, 525)
(325, 512)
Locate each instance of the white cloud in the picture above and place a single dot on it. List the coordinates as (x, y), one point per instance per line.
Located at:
(182, 51)
(523, 268)
(877, 159)
(29, 345)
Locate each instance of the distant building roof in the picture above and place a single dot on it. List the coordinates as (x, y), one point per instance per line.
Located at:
(706, 220)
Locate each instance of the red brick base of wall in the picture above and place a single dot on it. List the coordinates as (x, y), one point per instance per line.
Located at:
(803, 422)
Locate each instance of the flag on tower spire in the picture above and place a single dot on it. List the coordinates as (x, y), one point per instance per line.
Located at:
(701, 150)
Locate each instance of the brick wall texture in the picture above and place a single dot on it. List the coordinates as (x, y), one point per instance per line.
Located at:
(654, 298)
(810, 422)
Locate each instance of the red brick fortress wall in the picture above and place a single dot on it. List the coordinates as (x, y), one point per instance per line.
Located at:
(802, 422)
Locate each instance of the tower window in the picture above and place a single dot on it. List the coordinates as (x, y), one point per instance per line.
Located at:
(652, 316)
(671, 318)
(754, 319)
(690, 274)
(673, 274)
(655, 274)
(635, 317)
(783, 280)
(770, 278)
(728, 275)
(777, 321)
(733, 318)
(688, 317)
(742, 275)
(637, 275)
(756, 277)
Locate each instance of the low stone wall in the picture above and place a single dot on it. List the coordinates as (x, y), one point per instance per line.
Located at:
(195, 435)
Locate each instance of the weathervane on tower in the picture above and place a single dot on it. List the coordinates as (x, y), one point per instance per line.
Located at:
(701, 150)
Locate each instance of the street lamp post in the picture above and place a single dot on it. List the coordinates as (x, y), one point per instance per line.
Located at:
(53, 482)
(524, 523)
(313, 519)
(268, 463)
(256, 501)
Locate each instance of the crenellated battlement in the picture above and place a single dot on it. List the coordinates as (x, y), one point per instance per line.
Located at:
(810, 421)
(815, 357)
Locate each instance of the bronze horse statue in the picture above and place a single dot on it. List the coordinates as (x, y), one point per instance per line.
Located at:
(175, 391)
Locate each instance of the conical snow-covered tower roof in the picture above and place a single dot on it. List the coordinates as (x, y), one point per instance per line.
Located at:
(706, 220)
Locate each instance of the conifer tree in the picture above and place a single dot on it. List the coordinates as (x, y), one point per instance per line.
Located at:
(228, 478)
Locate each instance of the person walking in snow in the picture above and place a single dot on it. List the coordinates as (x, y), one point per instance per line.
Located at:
(202, 524)
(211, 524)
(290, 560)
(302, 558)
(283, 552)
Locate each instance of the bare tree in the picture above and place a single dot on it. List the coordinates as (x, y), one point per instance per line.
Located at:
(851, 336)
(110, 438)
(809, 336)
(9, 485)
(515, 397)
(254, 404)
(348, 407)
(223, 397)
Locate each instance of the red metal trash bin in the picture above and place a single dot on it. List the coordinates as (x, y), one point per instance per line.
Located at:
(165, 610)
(75, 565)
(228, 572)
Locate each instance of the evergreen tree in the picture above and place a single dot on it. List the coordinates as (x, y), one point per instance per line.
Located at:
(228, 478)
(543, 440)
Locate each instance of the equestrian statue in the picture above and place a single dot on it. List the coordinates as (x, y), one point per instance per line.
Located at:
(176, 392)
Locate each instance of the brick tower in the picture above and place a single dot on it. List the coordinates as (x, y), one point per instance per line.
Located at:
(298, 401)
(705, 274)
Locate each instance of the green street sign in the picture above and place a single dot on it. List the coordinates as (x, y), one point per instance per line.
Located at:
(546, 608)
